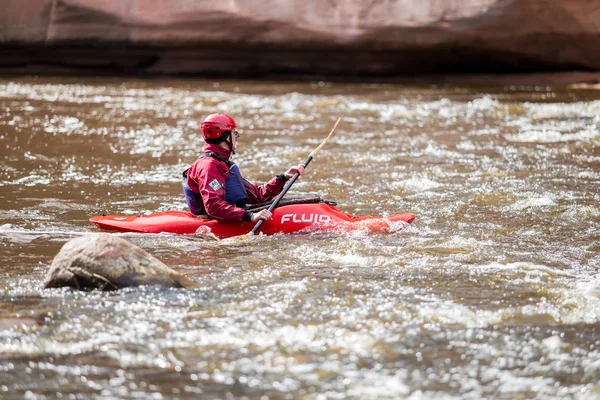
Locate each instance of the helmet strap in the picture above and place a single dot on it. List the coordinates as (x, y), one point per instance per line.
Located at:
(229, 141)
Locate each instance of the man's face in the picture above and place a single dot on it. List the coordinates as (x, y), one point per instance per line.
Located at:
(234, 138)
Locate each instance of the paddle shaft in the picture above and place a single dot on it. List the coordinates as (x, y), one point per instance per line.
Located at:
(285, 189)
(289, 183)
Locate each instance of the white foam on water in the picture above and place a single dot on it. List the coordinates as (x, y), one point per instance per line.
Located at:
(376, 385)
(509, 383)
(160, 173)
(483, 106)
(398, 226)
(485, 103)
(527, 267)
(349, 141)
(72, 175)
(582, 302)
(395, 112)
(535, 201)
(450, 313)
(346, 258)
(590, 109)
(65, 124)
(466, 145)
(588, 175)
(31, 180)
(175, 205)
(534, 136)
(126, 322)
(316, 337)
(580, 213)
(571, 299)
(32, 344)
(8, 229)
(417, 183)
(467, 244)
(485, 132)
(553, 343)
(225, 332)
(341, 182)
(552, 136)
(288, 287)
(373, 159)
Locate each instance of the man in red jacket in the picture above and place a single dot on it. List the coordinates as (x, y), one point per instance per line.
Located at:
(214, 186)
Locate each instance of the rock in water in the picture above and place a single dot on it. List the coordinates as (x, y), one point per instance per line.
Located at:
(107, 262)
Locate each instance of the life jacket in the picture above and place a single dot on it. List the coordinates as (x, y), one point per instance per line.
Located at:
(235, 191)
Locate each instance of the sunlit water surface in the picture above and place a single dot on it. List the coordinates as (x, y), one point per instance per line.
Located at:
(492, 292)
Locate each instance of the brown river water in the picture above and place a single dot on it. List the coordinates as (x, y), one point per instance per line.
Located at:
(493, 291)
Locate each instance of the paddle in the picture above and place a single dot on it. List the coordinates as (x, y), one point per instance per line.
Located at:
(289, 183)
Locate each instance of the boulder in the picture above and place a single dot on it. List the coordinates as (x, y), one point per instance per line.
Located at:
(299, 37)
(107, 262)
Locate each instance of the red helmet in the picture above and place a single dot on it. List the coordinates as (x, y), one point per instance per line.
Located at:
(214, 125)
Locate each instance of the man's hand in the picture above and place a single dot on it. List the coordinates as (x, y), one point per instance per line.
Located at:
(262, 214)
(292, 171)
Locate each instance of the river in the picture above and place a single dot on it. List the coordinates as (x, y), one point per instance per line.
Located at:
(492, 292)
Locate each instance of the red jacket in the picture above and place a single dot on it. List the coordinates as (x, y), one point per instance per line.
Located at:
(207, 176)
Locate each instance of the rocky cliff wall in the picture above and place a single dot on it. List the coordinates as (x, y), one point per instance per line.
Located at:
(299, 37)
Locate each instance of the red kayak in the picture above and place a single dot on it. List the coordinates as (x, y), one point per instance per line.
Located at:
(287, 218)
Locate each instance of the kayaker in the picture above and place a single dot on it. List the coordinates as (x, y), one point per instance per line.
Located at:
(213, 184)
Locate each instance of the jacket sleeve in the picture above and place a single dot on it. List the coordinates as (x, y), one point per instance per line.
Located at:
(211, 186)
(261, 193)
